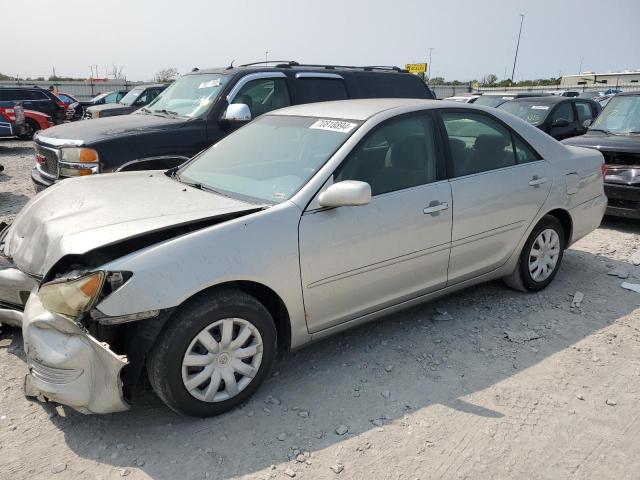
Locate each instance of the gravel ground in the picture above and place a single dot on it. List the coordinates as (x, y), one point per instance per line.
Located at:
(484, 384)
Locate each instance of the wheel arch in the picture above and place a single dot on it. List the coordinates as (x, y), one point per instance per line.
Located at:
(564, 217)
(266, 296)
(141, 336)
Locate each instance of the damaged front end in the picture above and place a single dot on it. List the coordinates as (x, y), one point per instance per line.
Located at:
(68, 365)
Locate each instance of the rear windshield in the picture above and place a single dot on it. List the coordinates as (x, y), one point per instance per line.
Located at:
(530, 112)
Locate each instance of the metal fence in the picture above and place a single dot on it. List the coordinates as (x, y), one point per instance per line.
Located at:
(82, 90)
(444, 91)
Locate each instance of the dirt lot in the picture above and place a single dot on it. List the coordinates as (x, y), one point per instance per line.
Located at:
(485, 384)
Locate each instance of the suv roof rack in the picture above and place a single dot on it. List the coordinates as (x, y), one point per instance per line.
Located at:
(286, 62)
(292, 63)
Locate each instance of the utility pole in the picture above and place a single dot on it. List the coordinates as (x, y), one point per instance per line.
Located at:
(266, 57)
(515, 58)
(580, 68)
(429, 64)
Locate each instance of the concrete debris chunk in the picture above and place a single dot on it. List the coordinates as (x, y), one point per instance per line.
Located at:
(289, 473)
(611, 402)
(634, 287)
(577, 300)
(342, 429)
(58, 468)
(521, 336)
(635, 258)
(618, 272)
(337, 468)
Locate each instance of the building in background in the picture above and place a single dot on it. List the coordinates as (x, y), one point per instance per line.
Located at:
(608, 79)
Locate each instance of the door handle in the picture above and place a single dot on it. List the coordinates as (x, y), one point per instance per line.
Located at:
(435, 207)
(536, 180)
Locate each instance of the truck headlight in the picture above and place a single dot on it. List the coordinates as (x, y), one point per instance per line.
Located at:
(78, 161)
(79, 155)
(72, 297)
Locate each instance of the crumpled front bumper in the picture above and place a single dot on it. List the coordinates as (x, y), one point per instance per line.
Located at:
(69, 366)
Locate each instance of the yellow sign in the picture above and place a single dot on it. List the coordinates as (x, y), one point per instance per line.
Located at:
(416, 67)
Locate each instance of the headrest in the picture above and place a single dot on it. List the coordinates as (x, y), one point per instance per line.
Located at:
(491, 142)
(409, 153)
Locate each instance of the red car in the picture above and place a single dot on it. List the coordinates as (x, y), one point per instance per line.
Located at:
(35, 121)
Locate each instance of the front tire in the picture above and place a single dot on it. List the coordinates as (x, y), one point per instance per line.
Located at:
(540, 258)
(214, 354)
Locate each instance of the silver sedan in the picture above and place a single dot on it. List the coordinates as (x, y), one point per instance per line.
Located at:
(305, 222)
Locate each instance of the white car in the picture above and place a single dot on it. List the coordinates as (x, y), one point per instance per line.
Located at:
(305, 222)
(462, 98)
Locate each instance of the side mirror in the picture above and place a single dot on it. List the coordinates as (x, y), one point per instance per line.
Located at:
(347, 193)
(560, 123)
(587, 123)
(237, 112)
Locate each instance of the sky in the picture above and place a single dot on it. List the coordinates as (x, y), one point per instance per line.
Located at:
(470, 39)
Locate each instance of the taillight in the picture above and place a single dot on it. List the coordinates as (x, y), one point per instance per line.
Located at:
(603, 167)
(10, 113)
(61, 104)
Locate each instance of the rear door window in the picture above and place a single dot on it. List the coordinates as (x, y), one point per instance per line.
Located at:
(477, 143)
(9, 94)
(317, 89)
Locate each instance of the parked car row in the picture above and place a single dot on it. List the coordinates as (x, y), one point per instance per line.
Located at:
(198, 110)
(77, 110)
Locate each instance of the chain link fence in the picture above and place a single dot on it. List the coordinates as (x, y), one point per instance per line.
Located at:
(82, 90)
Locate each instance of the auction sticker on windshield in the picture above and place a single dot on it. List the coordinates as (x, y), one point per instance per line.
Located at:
(210, 83)
(540, 107)
(333, 125)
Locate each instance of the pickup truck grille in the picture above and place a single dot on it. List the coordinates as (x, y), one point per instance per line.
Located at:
(622, 158)
(47, 158)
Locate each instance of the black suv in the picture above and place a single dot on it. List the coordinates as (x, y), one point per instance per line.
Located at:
(134, 99)
(36, 98)
(201, 108)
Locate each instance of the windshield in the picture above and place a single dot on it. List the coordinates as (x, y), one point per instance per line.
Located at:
(621, 115)
(191, 95)
(99, 96)
(270, 159)
(492, 100)
(132, 96)
(528, 111)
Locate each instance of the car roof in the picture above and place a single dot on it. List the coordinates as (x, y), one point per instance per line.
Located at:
(360, 109)
(628, 94)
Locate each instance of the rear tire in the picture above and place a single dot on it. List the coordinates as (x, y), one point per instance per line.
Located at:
(32, 128)
(214, 354)
(540, 258)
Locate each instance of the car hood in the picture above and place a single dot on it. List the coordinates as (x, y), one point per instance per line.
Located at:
(109, 106)
(94, 130)
(606, 143)
(79, 215)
